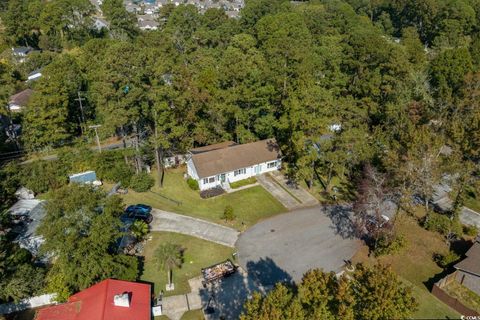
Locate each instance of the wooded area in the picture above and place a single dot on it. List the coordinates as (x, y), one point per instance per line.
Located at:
(343, 85)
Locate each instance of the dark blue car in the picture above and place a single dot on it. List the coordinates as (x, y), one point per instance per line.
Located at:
(138, 212)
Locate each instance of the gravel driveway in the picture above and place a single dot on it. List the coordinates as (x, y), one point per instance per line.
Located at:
(282, 248)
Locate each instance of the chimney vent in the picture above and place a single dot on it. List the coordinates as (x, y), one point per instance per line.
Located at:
(122, 300)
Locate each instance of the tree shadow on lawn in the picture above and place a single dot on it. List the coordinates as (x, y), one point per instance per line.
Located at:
(224, 299)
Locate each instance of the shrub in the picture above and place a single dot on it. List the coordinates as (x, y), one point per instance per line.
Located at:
(228, 213)
(119, 173)
(446, 260)
(141, 182)
(244, 182)
(471, 231)
(139, 229)
(389, 244)
(205, 194)
(42, 176)
(193, 184)
(438, 223)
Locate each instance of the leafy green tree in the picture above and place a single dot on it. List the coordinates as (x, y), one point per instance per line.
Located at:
(370, 293)
(169, 256)
(123, 24)
(380, 294)
(25, 281)
(81, 228)
(53, 116)
(448, 70)
(228, 213)
(43, 175)
(139, 229)
(65, 21)
(20, 20)
(141, 182)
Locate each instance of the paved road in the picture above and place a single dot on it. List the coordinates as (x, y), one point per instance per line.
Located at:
(172, 222)
(470, 217)
(282, 248)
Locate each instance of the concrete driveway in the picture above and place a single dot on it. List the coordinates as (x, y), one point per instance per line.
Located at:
(284, 247)
(173, 222)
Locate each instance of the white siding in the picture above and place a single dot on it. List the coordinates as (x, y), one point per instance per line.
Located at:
(191, 171)
(230, 176)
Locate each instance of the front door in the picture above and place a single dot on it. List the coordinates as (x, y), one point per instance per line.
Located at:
(222, 177)
(258, 169)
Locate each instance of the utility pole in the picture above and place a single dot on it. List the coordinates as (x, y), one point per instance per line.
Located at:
(95, 127)
(80, 99)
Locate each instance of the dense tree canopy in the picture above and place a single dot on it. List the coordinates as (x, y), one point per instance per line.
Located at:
(371, 293)
(81, 230)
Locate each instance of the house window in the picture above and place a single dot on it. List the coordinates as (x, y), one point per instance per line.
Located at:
(239, 172)
(205, 180)
(211, 179)
(272, 164)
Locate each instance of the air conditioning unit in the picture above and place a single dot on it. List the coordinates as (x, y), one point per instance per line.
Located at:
(122, 300)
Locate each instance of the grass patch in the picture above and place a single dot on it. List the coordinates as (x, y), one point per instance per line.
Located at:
(198, 254)
(463, 294)
(189, 315)
(193, 315)
(472, 200)
(251, 205)
(415, 265)
(345, 191)
(242, 183)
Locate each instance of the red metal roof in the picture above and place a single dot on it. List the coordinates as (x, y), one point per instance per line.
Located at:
(96, 303)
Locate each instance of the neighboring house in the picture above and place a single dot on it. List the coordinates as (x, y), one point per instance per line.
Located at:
(20, 53)
(34, 75)
(100, 23)
(226, 162)
(27, 215)
(468, 270)
(107, 300)
(147, 22)
(19, 100)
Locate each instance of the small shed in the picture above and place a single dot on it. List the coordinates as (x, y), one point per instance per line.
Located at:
(87, 177)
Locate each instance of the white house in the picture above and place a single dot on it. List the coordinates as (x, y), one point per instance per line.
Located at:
(226, 162)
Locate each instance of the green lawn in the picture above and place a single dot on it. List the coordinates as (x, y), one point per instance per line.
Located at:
(344, 190)
(250, 205)
(198, 254)
(189, 315)
(472, 200)
(415, 265)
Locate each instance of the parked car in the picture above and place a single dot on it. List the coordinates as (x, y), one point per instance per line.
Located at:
(138, 212)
